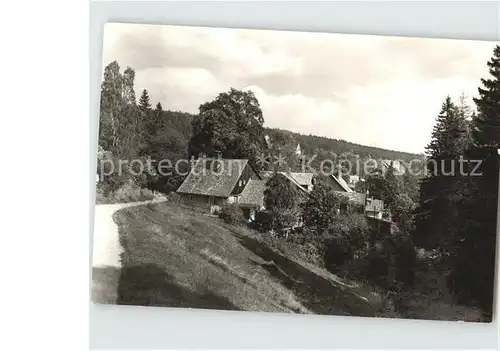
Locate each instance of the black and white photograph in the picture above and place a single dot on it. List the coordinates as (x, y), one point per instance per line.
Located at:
(297, 172)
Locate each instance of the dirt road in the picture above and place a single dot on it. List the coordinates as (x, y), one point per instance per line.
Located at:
(106, 252)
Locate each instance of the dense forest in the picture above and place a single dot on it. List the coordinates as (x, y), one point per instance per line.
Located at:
(444, 219)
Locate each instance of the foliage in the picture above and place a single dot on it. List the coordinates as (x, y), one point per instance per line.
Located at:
(281, 201)
(232, 214)
(144, 101)
(402, 210)
(263, 221)
(321, 208)
(232, 125)
(324, 148)
(411, 185)
(486, 130)
(126, 191)
(280, 193)
(440, 193)
(473, 271)
(457, 214)
(405, 260)
(352, 231)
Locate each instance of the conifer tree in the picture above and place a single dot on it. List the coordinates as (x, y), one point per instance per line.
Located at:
(144, 102)
(440, 190)
(472, 278)
(487, 122)
(159, 108)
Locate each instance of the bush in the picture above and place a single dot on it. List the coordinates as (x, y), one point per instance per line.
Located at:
(337, 252)
(379, 268)
(127, 192)
(262, 221)
(232, 214)
(353, 231)
(405, 260)
(279, 221)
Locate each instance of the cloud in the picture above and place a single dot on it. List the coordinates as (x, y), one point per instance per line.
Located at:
(374, 90)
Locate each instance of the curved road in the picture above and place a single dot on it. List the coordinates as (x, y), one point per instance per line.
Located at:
(106, 252)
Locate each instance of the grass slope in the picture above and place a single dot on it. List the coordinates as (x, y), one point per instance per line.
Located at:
(178, 258)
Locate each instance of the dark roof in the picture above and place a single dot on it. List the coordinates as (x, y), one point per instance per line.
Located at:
(210, 181)
(253, 194)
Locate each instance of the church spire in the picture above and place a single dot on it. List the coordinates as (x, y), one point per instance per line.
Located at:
(298, 151)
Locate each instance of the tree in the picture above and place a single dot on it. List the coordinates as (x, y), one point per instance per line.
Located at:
(411, 185)
(144, 102)
(158, 108)
(321, 208)
(472, 278)
(280, 193)
(231, 124)
(128, 86)
(487, 123)
(393, 186)
(110, 107)
(281, 201)
(440, 192)
(402, 212)
(450, 136)
(120, 125)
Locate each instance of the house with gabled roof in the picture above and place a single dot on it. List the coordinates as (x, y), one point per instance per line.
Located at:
(303, 180)
(337, 183)
(211, 183)
(372, 207)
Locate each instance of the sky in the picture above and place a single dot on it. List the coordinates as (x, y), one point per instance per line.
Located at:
(372, 90)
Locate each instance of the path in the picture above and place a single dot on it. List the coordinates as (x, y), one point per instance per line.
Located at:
(106, 252)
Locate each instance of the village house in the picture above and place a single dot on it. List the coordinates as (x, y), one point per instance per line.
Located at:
(373, 208)
(303, 180)
(211, 183)
(351, 180)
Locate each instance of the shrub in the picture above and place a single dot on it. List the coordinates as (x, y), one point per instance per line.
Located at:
(322, 206)
(232, 214)
(262, 221)
(354, 231)
(379, 268)
(337, 252)
(405, 260)
(127, 192)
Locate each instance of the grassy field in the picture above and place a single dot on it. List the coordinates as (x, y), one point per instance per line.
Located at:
(176, 257)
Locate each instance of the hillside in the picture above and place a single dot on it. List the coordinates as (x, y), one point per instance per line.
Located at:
(178, 124)
(178, 258)
(312, 144)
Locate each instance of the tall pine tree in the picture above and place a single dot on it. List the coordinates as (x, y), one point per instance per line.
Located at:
(487, 123)
(158, 108)
(473, 274)
(144, 101)
(436, 218)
